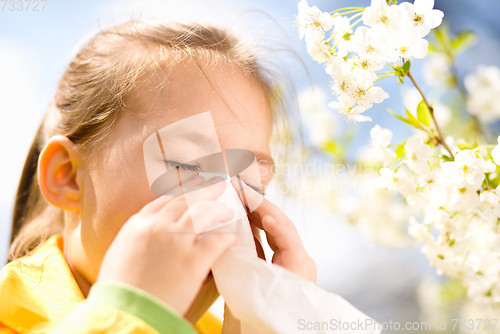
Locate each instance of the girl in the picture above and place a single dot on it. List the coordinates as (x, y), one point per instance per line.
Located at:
(93, 250)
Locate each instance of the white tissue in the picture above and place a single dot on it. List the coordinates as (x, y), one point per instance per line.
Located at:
(266, 298)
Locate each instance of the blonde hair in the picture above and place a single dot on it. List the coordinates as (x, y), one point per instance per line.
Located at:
(90, 97)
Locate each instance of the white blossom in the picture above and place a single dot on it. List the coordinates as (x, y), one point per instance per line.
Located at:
(439, 217)
(409, 45)
(483, 87)
(381, 139)
(489, 199)
(421, 15)
(351, 114)
(460, 212)
(466, 171)
(371, 46)
(419, 231)
(370, 64)
(462, 199)
(312, 22)
(495, 154)
(399, 182)
(418, 155)
(452, 145)
(382, 17)
(484, 78)
(357, 88)
(431, 180)
(319, 51)
(336, 68)
(341, 33)
(437, 69)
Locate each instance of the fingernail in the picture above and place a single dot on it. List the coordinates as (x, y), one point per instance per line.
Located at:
(197, 179)
(216, 179)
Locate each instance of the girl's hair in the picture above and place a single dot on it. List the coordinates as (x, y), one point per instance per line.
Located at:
(91, 94)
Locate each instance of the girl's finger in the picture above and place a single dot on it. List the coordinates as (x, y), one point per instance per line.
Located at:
(205, 191)
(262, 207)
(208, 190)
(212, 244)
(251, 203)
(204, 214)
(283, 237)
(156, 204)
(254, 220)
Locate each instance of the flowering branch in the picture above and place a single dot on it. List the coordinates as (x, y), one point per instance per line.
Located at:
(460, 196)
(440, 137)
(343, 29)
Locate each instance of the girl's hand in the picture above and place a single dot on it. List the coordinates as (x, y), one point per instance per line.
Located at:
(281, 234)
(158, 251)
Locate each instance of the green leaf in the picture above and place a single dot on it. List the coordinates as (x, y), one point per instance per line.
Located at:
(329, 147)
(445, 158)
(413, 120)
(464, 146)
(400, 150)
(406, 67)
(434, 47)
(474, 144)
(423, 113)
(443, 35)
(398, 70)
(462, 41)
(401, 118)
(452, 292)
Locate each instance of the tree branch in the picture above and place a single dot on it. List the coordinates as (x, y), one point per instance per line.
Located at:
(440, 135)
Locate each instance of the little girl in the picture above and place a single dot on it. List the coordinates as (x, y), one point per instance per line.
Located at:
(93, 249)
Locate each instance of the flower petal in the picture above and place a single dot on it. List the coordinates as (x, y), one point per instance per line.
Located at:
(420, 48)
(423, 7)
(377, 94)
(434, 18)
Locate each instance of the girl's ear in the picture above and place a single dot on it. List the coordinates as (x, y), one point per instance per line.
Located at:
(60, 173)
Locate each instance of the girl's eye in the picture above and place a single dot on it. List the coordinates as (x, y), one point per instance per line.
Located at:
(193, 168)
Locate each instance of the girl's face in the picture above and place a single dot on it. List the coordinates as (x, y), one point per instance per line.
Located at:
(115, 184)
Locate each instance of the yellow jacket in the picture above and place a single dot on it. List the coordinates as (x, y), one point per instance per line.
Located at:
(39, 294)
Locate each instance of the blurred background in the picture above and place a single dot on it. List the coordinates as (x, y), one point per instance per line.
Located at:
(381, 281)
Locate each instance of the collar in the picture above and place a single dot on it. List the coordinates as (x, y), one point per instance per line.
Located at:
(38, 290)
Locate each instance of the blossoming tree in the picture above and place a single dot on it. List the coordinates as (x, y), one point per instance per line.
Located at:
(452, 183)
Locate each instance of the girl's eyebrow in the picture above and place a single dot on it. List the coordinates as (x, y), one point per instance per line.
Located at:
(196, 137)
